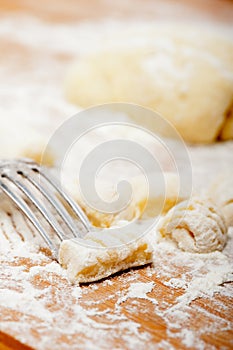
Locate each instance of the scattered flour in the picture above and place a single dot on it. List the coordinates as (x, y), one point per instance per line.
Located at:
(36, 288)
(37, 303)
(138, 291)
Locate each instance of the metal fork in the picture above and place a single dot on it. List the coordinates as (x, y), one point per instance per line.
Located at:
(18, 180)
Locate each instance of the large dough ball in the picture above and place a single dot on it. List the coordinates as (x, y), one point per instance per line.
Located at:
(184, 73)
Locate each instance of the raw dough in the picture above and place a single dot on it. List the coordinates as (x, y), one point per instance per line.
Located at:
(183, 72)
(221, 190)
(196, 225)
(87, 263)
(90, 263)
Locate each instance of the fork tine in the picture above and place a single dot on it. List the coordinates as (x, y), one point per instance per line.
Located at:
(74, 206)
(29, 214)
(55, 204)
(46, 214)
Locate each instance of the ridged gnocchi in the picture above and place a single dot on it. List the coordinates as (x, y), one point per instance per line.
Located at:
(196, 225)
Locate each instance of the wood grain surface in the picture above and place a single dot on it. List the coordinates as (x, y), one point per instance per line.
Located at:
(103, 296)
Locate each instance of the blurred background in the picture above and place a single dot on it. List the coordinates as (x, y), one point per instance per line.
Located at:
(39, 41)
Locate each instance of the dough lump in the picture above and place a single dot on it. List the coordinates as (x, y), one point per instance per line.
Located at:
(196, 225)
(183, 72)
(95, 257)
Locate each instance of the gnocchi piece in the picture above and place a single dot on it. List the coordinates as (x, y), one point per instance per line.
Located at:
(196, 225)
(95, 257)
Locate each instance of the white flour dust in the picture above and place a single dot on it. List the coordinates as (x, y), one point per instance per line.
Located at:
(37, 303)
(37, 288)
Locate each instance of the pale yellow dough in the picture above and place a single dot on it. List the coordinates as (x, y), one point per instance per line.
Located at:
(183, 72)
(95, 257)
(196, 225)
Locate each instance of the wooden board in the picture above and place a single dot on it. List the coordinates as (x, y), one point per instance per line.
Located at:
(107, 323)
(106, 317)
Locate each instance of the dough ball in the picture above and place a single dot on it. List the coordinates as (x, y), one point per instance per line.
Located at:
(183, 72)
(196, 225)
(221, 191)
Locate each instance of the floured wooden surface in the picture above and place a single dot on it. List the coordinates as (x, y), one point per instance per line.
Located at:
(180, 302)
(147, 308)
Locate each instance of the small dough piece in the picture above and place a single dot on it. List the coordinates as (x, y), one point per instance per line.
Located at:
(97, 258)
(183, 72)
(196, 225)
(221, 191)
